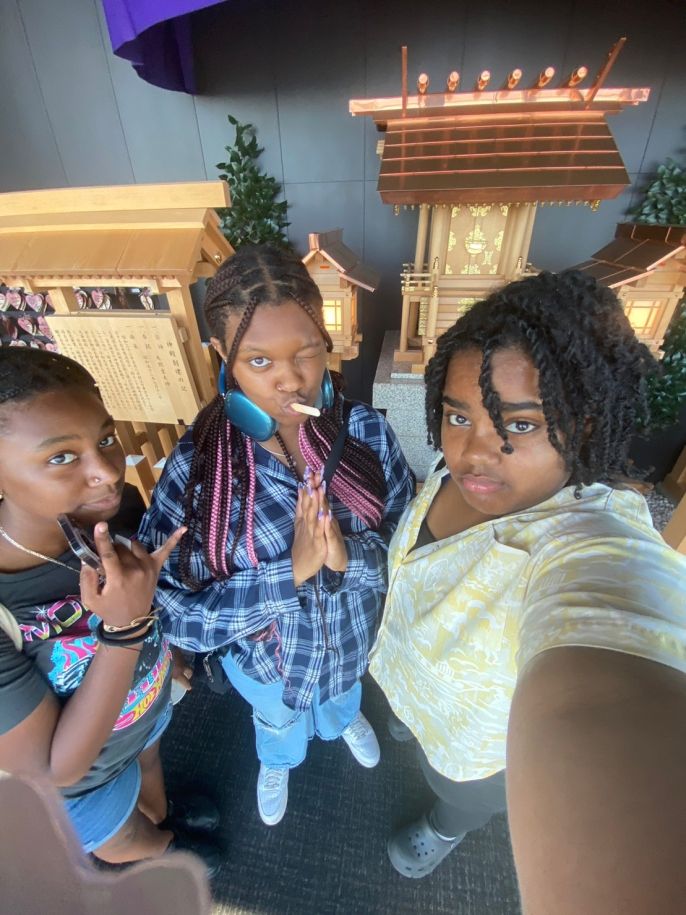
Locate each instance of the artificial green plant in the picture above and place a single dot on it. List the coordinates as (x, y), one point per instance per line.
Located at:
(667, 390)
(255, 215)
(664, 203)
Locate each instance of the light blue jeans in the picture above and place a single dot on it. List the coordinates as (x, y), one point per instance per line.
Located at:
(281, 733)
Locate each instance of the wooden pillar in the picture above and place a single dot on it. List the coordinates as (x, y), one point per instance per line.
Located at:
(528, 232)
(63, 300)
(422, 231)
(515, 231)
(438, 242)
(181, 306)
(128, 437)
(139, 474)
(404, 323)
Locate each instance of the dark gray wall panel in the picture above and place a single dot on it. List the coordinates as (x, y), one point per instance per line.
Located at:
(69, 57)
(668, 133)
(642, 62)
(30, 158)
(74, 114)
(536, 41)
(565, 236)
(160, 127)
(236, 62)
(321, 66)
(316, 206)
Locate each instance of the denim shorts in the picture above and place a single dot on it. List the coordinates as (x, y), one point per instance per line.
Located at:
(100, 814)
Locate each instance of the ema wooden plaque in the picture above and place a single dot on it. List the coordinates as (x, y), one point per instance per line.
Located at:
(138, 362)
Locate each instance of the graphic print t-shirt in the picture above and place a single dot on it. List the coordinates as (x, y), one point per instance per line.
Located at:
(58, 646)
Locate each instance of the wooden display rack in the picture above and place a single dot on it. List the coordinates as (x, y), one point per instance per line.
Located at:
(152, 368)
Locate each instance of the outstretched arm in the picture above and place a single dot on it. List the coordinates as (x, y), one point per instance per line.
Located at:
(596, 782)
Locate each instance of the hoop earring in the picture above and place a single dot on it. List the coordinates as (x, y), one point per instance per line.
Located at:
(245, 415)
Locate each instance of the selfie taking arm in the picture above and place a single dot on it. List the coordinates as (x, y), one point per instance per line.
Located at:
(595, 784)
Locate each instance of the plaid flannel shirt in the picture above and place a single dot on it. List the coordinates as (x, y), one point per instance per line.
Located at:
(317, 634)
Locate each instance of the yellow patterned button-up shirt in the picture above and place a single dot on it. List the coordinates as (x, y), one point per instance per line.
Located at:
(465, 614)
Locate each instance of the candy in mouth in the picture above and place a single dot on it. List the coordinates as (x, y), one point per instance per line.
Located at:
(304, 408)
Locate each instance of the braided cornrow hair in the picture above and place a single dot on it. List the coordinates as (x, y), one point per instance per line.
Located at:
(26, 373)
(223, 465)
(592, 368)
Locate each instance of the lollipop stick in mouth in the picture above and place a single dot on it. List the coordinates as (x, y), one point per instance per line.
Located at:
(305, 408)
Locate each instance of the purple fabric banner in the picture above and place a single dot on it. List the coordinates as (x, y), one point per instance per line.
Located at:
(155, 36)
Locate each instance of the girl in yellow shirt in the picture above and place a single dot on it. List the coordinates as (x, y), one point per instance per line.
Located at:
(534, 616)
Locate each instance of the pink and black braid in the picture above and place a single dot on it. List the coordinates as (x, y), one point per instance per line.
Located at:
(222, 467)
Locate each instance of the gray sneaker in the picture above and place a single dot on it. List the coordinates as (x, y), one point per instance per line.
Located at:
(272, 794)
(417, 849)
(361, 739)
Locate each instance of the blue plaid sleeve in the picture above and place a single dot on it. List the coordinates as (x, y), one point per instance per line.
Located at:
(222, 611)
(367, 550)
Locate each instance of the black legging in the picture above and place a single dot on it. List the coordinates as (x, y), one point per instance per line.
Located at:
(462, 806)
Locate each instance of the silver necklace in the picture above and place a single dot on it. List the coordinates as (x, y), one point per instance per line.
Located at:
(277, 454)
(284, 455)
(35, 553)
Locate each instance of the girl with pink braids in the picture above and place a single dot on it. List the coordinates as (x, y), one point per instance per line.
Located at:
(281, 573)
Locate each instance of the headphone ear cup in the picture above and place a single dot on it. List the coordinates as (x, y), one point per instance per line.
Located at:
(326, 395)
(246, 416)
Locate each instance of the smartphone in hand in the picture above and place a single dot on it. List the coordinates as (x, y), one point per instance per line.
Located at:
(80, 543)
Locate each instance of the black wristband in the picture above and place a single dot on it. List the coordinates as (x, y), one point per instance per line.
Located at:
(126, 639)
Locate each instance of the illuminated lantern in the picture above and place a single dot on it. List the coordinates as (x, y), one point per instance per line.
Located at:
(339, 273)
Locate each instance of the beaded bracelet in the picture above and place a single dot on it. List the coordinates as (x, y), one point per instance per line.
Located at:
(134, 624)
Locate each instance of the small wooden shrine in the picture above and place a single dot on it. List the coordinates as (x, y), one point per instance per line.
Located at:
(478, 163)
(143, 349)
(646, 266)
(339, 273)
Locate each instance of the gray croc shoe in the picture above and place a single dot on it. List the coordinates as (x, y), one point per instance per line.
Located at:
(398, 729)
(417, 849)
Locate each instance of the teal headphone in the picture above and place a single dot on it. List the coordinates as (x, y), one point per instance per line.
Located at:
(252, 420)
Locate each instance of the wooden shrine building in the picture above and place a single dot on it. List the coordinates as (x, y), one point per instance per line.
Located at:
(478, 162)
(147, 356)
(646, 266)
(339, 273)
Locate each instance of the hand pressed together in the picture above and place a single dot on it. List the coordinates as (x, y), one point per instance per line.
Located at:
(318, 540)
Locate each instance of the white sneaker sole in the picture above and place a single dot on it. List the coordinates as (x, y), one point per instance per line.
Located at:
(364, 761)
(275, 817)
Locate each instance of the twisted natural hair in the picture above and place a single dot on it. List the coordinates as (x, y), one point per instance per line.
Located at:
(25, 373)
(591, 368)
(223, 459)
